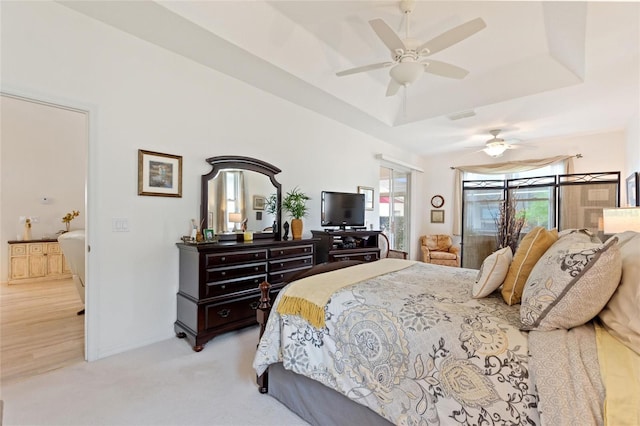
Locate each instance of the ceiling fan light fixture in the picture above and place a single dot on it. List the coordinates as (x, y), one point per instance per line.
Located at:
(406, 73)
(495, 149)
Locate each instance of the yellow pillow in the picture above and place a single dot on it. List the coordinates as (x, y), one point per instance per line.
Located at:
(530, 250)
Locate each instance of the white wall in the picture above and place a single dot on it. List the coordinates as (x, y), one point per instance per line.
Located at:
(44, 151)
(142, 97)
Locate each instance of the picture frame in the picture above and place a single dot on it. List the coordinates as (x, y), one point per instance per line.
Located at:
(368, 196)
(258, 202)
(208, 234)
(258, 215)
(437, 216)
(633, 190)
(159, 175)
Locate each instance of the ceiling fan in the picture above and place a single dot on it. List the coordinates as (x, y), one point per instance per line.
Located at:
(410, 56)
(496, 146)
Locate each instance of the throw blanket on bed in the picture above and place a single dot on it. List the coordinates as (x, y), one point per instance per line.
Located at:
(307, 297)
(619, 364)
(415, 347)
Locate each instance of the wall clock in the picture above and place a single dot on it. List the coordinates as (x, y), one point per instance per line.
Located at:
(437, 201)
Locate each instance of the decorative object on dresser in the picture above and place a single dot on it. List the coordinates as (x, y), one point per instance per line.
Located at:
(159, 174)
(295, 203)
(36, 260)
(218, 289)
(333, 246)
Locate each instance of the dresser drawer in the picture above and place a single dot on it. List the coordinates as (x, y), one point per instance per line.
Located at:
(36, 248)
(221, 288)
(278, 252)
(220, 259)
(18, 249)
(284, 276)
(240, 271)
(219, 314)
(295, 262)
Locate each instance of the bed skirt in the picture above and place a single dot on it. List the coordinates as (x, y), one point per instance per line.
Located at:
(316, 403)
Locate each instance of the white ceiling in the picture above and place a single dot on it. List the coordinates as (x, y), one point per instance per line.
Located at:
(538, 70)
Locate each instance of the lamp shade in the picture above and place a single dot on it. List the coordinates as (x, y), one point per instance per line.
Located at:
(621, 219)
(235, 217)
(406, 73)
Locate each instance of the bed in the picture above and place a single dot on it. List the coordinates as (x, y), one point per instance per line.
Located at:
(404, 342)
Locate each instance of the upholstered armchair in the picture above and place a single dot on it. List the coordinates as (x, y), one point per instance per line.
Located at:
(439, 249)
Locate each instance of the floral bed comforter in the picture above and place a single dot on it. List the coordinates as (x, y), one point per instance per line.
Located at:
(413, 346)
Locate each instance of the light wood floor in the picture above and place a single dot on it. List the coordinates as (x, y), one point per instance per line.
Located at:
(40, 330)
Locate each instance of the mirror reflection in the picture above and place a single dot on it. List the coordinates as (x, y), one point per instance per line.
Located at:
(238, 200)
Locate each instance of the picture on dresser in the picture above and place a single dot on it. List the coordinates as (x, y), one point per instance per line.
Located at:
(159, 174)
(208, 234)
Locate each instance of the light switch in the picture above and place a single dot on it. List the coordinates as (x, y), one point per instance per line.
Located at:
(120, 224)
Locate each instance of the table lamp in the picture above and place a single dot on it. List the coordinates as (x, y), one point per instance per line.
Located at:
(621, 219)
(235, 218)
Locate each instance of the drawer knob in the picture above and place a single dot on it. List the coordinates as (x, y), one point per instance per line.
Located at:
(223, 258)
(255, 268)
(224, 313)
(256, 255)
(306, 261)
(281, 264)
(223, 273)
(254, 305)
(367, 257)
(223, 286)
(281, 252)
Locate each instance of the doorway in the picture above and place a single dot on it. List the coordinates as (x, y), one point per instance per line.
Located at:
(44, 159)
(394, 187)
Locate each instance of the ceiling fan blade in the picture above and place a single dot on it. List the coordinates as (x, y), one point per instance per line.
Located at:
(387, 35)
(453, 36)
(444, 69)
(393, 87)
(364, 68)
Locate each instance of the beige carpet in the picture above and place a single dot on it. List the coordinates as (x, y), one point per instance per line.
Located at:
(166, 383)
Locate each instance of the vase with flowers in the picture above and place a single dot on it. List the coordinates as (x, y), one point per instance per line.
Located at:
(66, 219)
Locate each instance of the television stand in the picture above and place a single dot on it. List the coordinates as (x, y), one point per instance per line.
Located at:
(350, 244)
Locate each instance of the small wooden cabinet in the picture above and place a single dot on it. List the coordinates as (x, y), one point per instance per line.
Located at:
(36, 260)
(219, 283)
(334, 246)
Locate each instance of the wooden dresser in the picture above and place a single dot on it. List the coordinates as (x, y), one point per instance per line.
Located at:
(218, 289)
(36, 260)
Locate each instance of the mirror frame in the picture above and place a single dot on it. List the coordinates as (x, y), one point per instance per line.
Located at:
(242, 163)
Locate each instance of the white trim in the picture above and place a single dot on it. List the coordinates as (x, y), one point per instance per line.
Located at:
(396, 163)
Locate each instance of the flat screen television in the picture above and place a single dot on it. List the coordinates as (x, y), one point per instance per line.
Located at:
(342, 209)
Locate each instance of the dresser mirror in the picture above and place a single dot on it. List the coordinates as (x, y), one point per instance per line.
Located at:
(235, 195)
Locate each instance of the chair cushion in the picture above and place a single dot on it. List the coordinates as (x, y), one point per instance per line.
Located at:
(442, 255)
(438, 242)
(531, 248)
(492, 272)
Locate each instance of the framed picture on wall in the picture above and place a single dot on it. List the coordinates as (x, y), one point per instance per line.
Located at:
(258, 202)
(159, 174)
(437, 216)
(633, 190)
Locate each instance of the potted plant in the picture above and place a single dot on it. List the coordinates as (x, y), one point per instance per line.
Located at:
(295, 204)
(271, 207)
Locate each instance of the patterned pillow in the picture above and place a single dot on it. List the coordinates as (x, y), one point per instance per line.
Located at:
(530, 249)
(570, 284)
(492, 272)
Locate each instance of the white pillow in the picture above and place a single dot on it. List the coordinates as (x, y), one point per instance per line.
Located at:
(621, 315)
(492, 272)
